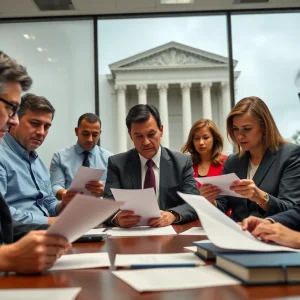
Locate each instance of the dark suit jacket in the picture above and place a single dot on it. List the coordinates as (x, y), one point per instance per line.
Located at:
(290, 218)
(278, 175)
(11, 231)
(176, 174)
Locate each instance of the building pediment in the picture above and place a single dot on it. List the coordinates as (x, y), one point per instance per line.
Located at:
(171, 55)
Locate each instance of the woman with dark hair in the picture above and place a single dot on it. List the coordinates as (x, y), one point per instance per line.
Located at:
(268, 166)
(205, 145)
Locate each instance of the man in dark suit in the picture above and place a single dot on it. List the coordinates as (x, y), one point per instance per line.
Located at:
(35, 251)
(282, 228)
(151, 165)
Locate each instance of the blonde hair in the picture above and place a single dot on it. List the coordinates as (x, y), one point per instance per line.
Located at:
(217, 148)
(257, 108)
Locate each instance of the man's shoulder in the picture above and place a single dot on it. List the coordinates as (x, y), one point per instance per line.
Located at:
(124, 156)
(174, 155)
(65, 150)
(104, 152)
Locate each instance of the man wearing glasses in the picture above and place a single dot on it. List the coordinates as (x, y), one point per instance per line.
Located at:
(25, 255)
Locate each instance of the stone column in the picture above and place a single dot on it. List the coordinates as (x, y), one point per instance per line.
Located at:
(186, 110)
(142, 91)
(122, 129)
(164, 114)
(226, 108)
(206, 100)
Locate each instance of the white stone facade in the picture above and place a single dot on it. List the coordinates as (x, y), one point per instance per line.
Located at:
(184, 83)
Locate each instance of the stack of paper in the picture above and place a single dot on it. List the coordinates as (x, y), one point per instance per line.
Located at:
(135, 261)
(141, 231)
(38, 294)
(82, 261)
(165, 279)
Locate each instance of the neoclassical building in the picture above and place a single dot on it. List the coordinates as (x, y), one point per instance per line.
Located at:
(184, 83)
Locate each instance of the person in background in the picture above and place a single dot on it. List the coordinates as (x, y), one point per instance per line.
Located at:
(24, 178)
(151, 165)
(205, 145)
(35, 251)
(85, 152)
(267, 165)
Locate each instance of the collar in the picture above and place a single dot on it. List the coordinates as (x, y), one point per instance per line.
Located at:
(155, 158)
(18, 149)
(79, 149)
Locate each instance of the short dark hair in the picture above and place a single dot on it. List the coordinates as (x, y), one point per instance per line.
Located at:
(10, 70)
(35, 103)
(89, 117)
(141, 113)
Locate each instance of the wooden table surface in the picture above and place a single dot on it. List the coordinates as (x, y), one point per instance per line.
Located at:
(101, 284)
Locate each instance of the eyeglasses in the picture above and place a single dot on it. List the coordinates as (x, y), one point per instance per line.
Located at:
(12, 108)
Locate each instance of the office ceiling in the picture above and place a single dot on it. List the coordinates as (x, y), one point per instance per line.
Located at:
(28, 8)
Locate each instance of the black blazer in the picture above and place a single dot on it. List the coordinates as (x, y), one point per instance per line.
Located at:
(278, 175)
(176, 174)
(11, 230)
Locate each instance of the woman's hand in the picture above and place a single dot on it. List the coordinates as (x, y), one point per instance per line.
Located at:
(210, 192)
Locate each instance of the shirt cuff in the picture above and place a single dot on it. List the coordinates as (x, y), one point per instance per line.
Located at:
(270, 219)
(56, 188)
(113, 219)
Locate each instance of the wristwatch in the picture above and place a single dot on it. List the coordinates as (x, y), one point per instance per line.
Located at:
(266, 199)
(177, 216)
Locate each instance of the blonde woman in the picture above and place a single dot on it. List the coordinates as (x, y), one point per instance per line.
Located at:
(268, 166)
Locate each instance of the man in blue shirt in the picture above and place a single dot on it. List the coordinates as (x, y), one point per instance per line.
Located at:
(85, 152)
(24, 179)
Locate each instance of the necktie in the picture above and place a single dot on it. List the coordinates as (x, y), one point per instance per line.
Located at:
(86, 162)
(150, 177)
(6, 230)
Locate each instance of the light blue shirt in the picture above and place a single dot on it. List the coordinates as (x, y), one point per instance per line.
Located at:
(66, 162)
(25, 183)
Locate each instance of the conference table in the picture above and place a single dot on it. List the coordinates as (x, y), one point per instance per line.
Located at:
(102, 284)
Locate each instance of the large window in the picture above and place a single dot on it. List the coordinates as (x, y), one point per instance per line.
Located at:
(267, 47)
(178, 64)
(59, 57)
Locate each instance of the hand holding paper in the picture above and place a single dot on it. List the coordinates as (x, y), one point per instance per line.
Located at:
(82, 214)
(142, 202)
(84, 176)
(223, 182)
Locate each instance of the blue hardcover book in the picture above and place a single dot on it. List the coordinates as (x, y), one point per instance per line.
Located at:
(261, 268)
(208, 250)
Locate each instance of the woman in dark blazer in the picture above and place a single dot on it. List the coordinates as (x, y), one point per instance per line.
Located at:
(268, 166)
(205, 145)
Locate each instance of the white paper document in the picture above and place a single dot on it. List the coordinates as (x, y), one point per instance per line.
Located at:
(191, 248)
(141, 231)
(82, 261)
(194, 231)
(97, 231)
(223, 182)
(82, 177)
(223, 231)
(166, 279)
(38, 294)
(82, 214)
(143, 202)
(158, 260)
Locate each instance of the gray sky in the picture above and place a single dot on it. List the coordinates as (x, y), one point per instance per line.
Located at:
(267, 48)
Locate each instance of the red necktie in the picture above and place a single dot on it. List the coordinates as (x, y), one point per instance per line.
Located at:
(150, 177)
